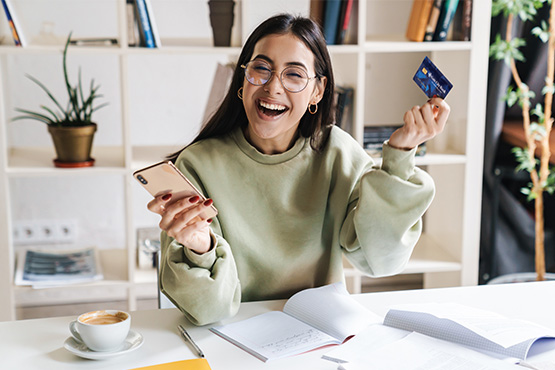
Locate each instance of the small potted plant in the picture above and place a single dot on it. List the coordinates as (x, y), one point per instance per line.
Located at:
(71, 128)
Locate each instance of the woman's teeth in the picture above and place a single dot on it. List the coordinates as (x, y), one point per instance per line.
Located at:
(272, 106)
(271, 109)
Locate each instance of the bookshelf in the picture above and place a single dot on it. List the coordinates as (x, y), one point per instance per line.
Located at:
(157, 99)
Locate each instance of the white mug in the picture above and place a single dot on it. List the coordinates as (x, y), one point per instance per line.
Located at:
(101, 331)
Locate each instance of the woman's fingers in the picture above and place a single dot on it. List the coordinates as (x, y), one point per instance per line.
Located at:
(421, 124)
(185, 233)
(158, 204)
(444, 111)
(183, 212)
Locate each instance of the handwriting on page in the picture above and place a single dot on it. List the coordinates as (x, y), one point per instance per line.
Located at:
(300, 339)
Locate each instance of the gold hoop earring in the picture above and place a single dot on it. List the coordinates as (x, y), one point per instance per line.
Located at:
(240, 93)
(310, 108)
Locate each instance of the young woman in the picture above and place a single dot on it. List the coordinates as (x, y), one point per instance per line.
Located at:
(294, 192)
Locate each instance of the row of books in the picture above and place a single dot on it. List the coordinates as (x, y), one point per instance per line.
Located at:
(335, 18)
(142, 30)
(374, 137)
(434, 20)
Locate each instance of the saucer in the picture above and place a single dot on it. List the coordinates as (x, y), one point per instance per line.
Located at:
(133, 341)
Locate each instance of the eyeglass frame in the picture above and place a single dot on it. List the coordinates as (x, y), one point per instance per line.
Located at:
(273, 71)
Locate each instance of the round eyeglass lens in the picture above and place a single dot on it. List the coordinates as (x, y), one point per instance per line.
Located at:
(258, 73)
(293, 79)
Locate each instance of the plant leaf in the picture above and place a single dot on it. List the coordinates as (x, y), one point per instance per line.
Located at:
(538, 112)
(523, 160)
(32, 115)
(45, 89)
(525, 9)
(55, 115)
(542, 32)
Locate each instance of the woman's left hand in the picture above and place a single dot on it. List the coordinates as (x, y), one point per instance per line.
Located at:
(421, 124)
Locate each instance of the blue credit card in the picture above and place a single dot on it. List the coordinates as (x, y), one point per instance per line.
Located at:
(430, 79)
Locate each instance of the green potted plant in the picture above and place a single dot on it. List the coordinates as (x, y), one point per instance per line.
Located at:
(71, 128)
(537, 120)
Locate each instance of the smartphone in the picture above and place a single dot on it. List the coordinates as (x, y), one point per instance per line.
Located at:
(163, 178)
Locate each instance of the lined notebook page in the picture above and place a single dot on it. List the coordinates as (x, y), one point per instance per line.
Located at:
(332, 310)
(274, 335)
(469, 326)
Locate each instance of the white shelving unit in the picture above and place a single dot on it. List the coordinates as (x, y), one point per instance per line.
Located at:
(157, 99)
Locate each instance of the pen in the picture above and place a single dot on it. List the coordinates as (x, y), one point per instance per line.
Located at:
(188, 338)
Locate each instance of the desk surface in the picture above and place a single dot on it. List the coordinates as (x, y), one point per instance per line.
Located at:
(38, 344)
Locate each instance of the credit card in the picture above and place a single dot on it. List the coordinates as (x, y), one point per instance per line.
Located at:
(430, 79)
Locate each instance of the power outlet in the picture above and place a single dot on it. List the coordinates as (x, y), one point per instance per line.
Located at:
(32, 232)
(65, 231)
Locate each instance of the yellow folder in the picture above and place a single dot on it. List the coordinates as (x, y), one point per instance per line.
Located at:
(196, 364)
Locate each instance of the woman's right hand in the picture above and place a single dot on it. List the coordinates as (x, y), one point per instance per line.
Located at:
(181, 220)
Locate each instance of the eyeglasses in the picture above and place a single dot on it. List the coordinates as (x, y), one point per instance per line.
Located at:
(293, 79)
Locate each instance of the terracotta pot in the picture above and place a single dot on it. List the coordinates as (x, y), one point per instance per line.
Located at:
(73, 145)
(221, 20)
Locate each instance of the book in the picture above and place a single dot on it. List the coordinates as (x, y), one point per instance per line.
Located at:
(14, 24)
(462, 22)
(444, 20)
(145, 32)
(331, 20)
(220, 85)
(317, 11)
(42, 268)
(418, 19)
(101, 41)
(344, 107)
(194, 364)
(432, 21)
(310, 319)
(344, 19)
(153, 26)
(132, 26)
(455, 327)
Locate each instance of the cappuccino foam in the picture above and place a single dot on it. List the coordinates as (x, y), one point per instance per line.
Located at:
(104, 318)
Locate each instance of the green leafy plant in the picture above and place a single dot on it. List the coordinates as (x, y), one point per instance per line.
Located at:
(79, 108)
(537, 131)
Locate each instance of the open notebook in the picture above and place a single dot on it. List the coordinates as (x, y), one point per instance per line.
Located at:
(439, 335)
(310, 319)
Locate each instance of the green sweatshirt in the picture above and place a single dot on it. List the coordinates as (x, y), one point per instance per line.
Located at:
(285, 221)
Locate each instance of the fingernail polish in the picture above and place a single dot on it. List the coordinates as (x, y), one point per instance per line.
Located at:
(209, 220)
(208, 202)
(194, 199)
(167, 197)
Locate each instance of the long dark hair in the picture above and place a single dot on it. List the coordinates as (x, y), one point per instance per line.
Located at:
(231, 112)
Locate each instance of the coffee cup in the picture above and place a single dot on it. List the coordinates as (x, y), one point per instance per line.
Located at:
(101, 331)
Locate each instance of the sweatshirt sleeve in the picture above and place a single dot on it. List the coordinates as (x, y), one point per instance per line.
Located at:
(384, 215)
(204, 287)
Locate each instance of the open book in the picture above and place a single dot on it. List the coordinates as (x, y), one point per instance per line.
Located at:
(459, 327)
(310, 319)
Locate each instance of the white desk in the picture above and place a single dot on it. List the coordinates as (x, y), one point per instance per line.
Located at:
(38, 344)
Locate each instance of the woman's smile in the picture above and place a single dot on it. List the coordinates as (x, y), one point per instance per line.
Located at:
(270, 111)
